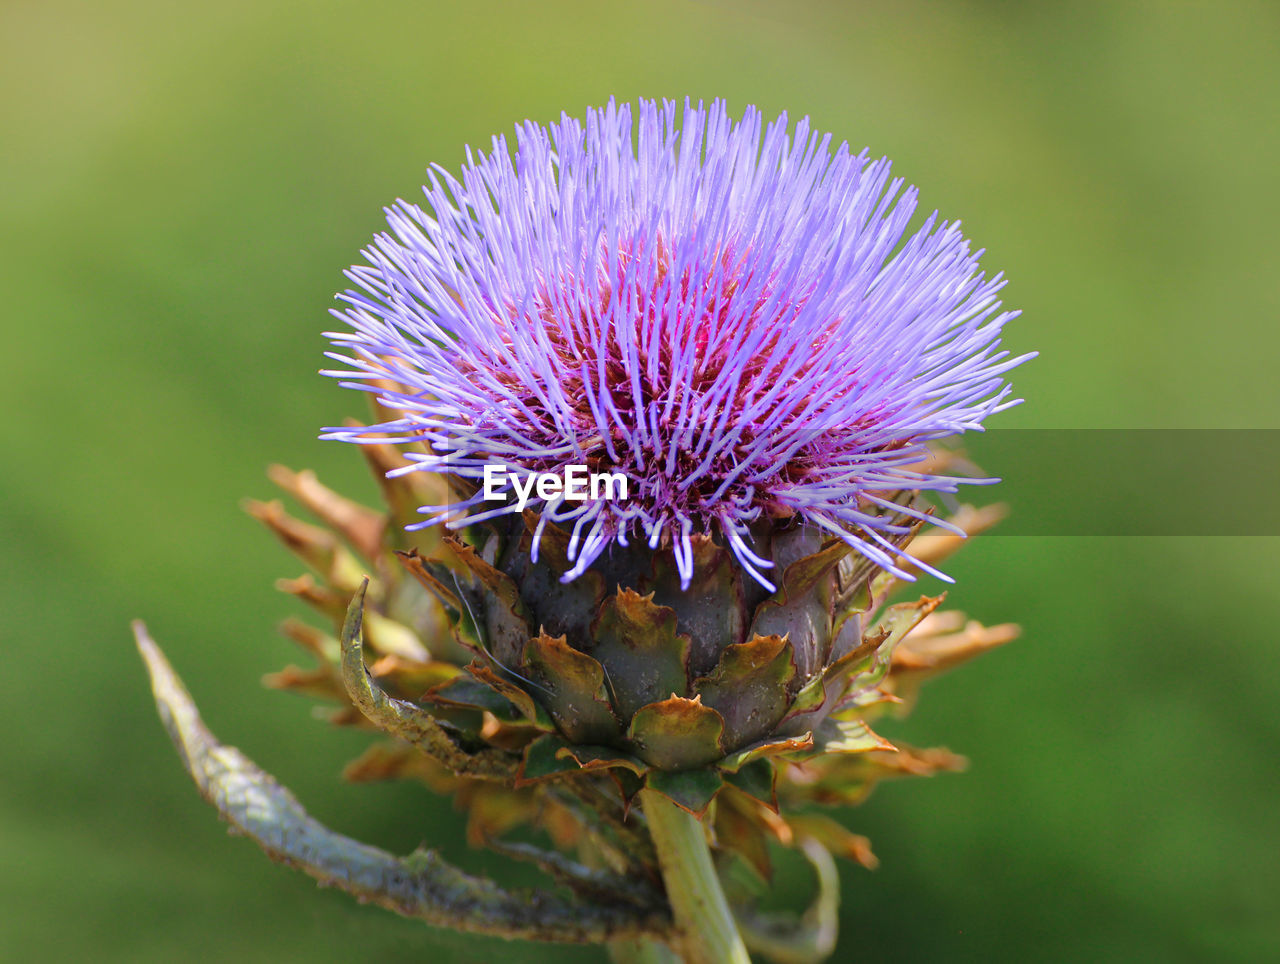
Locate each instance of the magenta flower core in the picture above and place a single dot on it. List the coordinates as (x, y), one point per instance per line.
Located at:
(730, 314)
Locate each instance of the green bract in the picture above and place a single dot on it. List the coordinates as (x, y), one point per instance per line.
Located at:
(480, 655)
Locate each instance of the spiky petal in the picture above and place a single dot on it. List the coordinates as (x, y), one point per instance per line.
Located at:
(729, 313)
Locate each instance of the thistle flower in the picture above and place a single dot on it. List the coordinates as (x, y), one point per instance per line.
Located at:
(728, 317)
(732, 321)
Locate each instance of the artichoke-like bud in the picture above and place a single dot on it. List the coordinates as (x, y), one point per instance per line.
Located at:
(683, 687)
(537, 683)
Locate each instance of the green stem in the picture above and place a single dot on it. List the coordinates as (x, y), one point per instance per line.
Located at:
(641, 952)
(708, 932)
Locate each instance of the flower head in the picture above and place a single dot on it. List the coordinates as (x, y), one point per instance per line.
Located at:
(730, 314)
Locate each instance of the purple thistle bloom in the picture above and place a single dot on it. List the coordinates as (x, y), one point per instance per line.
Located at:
(724, 313)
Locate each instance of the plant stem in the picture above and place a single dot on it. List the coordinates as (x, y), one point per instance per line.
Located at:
(641, 952)
(708, 932)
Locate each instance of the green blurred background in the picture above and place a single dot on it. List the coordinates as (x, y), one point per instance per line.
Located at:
(182, 186)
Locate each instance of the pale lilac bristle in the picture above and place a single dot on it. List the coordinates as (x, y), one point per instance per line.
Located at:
(724, 312)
